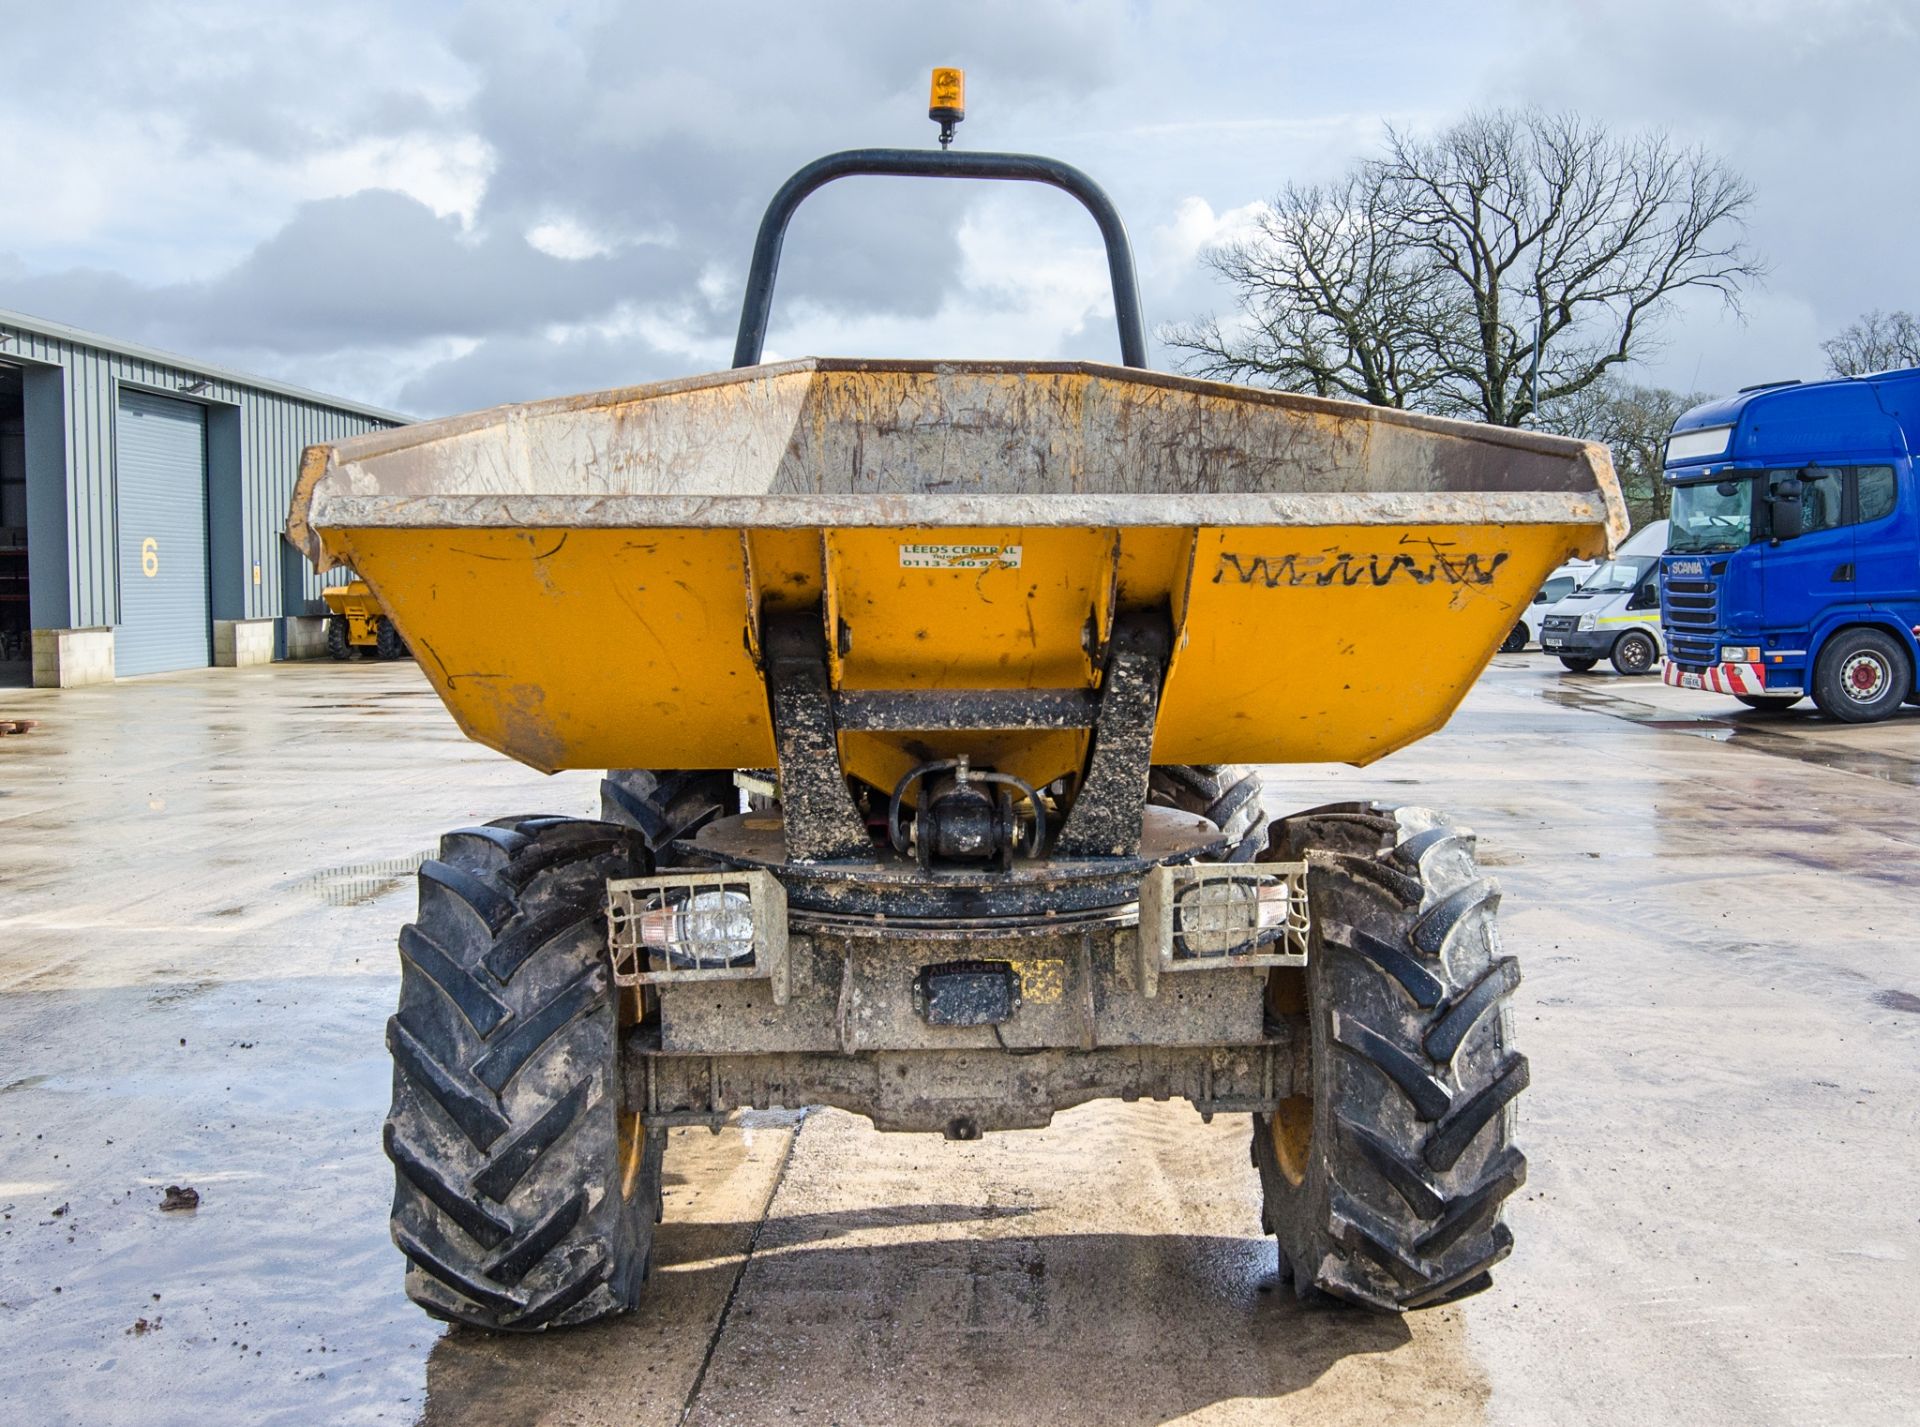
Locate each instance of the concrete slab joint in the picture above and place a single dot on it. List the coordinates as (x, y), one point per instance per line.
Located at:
(242, 643)
(69, 658)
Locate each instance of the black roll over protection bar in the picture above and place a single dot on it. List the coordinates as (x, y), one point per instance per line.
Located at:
(939, 163)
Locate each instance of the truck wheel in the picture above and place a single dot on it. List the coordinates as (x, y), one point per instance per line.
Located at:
(1226, 794)
(664, 805)
(387, 642)
(1635, 653)
(338, 644)
(1516, 639)
(1861, 676)
(525, 1194)
(1384, 1179)
(1579, 666)
(1769, 703)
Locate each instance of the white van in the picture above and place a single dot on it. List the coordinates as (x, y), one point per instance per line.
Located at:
(1561, 583)
(1615, 614)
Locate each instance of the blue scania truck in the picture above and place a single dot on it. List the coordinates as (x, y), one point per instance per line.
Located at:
(1793, 559)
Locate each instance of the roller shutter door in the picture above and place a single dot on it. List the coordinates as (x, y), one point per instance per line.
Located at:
(161, 473)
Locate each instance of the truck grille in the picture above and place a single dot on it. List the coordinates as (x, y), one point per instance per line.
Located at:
(1690, 610)
(1559, 624)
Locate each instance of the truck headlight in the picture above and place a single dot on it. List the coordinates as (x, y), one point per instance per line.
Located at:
(1588, 623)
(1740, 654)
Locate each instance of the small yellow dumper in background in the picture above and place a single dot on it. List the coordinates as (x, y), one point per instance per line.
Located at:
(355, 622)
(928, 692)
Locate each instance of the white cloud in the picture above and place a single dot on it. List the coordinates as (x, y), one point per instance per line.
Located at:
(568, 238)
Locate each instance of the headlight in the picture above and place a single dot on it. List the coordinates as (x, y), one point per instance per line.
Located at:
(1588, 623)
(1740, 654)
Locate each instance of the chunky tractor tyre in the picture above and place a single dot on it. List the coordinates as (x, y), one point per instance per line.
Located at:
(1862, 675)
(387, 642)
(1579, 666)
(1769, 703)
(1635, 653)
(1384, 1182)
(1226, 794)
(1516, 639)
(338, 643)
(525, 1195)
(663, 806)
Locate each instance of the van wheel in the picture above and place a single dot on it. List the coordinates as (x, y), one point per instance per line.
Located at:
(1516, 639)
(1769, 703)
(1579, 666)
(1635, 653)
(1862, 676)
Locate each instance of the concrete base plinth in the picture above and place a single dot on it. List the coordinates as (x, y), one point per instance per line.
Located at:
(242, 643)
(306, 636)
(68, 658)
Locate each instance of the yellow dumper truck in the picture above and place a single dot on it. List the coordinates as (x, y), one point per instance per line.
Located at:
(356, 623)
(928, 690)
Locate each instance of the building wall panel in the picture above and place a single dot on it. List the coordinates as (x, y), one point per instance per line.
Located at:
(276, 424)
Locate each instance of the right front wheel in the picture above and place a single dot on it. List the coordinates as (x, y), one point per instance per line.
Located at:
(1579, 666)
(1384, 1179)
(1862, 675)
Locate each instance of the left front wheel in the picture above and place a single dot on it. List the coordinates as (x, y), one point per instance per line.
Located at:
(525, 1193)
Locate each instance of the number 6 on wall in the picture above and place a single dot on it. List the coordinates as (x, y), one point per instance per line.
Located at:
(149, 557)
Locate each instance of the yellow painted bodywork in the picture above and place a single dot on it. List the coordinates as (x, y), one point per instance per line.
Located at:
(615, 647)
(355, 603)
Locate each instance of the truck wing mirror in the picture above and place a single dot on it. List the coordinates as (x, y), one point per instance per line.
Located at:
(1789, 515)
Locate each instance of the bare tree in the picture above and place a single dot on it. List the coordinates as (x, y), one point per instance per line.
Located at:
(1331, 302)
(1515, 259)
(1878, 342)
(1633, 422)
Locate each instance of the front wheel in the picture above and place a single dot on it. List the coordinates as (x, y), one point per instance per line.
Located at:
(1862, 675)
(339, 644)
(1579, 666)
(1769, 703)
(1516, 639)
(525, 1190)
(1384, 1177)
(1635, 653)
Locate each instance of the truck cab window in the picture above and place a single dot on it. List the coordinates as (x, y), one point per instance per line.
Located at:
(1876, 492)
(1712, 515)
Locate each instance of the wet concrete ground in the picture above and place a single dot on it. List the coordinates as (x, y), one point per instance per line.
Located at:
(201, 875)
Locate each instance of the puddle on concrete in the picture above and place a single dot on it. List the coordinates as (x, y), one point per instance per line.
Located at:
(353, 883)
(1871, 763)
(1899, 1001)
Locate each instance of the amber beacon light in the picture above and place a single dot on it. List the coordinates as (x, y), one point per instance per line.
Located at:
(947, 101)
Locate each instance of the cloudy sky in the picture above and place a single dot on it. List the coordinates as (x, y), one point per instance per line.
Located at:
(439, 206)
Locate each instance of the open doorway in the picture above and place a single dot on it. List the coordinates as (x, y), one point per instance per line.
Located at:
(16, 629)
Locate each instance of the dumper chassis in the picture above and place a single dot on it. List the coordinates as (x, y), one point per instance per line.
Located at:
(963, 886)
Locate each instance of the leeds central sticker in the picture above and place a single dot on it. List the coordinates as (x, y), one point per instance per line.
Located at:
(959, 557)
